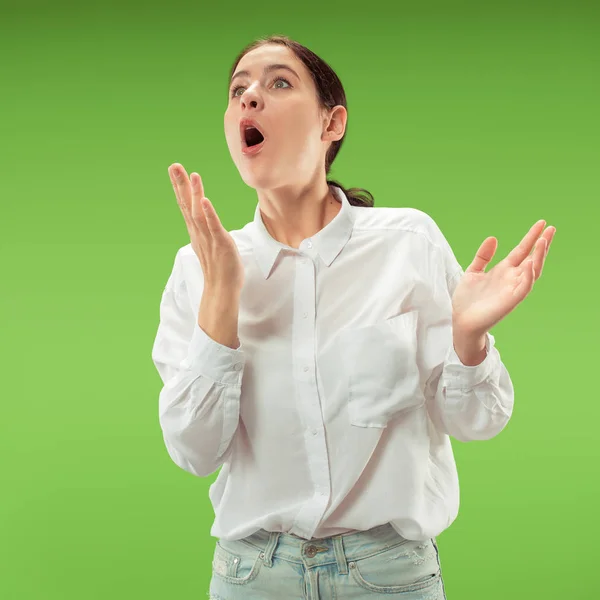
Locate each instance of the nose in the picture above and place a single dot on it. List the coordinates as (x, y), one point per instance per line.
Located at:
(250, 98)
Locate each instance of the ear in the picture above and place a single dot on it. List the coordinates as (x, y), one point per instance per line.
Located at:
(334, 125)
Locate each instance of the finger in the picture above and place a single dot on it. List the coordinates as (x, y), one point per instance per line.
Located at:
(197, 211)
(197, 184)
(182, 182)
(484, 255)
(526, 279)
(175, 174)
(548, 236)
(539, 254)
(518, 254)
(212, 219)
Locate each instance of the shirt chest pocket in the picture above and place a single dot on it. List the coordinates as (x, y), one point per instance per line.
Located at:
(380, 366)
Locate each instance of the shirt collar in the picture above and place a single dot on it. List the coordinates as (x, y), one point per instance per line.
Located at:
(327, 243)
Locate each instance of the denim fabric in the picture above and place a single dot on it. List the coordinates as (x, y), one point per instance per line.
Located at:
(370, 564)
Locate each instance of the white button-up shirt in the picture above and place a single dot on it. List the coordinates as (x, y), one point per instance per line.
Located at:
(335, 412)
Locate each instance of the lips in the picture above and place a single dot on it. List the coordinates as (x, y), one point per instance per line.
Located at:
(246, 124)
(249, 150)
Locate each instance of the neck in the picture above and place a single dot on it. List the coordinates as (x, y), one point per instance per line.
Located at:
(293, 213)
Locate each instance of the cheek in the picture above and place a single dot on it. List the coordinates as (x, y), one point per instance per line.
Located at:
(304, 135)
(230, 127)
(231, 137)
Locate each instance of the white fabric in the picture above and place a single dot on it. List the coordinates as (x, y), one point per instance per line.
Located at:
(334, 414)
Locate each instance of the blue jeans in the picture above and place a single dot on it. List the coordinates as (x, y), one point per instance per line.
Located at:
(370, 564)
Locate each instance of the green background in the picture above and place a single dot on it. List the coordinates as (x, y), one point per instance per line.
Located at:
(484, 115)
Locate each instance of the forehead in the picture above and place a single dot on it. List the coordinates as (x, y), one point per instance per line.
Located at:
(255, 60)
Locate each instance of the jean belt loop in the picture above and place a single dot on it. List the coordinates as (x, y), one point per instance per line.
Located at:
(340, 556)
(270, 548)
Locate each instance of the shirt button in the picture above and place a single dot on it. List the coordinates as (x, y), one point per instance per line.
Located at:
(314, 432)
(238, 367)
(305, 369)
(304, 315)
(309, 244)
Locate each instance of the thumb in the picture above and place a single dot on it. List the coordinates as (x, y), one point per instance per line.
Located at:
(484, 255)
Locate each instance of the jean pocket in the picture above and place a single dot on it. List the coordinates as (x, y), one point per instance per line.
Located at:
(382, 374)
(409, 567)
(238, 565)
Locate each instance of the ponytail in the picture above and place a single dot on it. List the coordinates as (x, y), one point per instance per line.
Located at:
(356, 196)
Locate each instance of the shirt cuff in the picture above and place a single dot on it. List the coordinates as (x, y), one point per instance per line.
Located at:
(220, 363)
(456, 375)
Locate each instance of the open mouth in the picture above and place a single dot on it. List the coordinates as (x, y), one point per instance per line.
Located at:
(253, 137)
(253, 140)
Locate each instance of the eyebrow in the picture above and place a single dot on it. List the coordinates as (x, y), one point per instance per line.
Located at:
(266, 70)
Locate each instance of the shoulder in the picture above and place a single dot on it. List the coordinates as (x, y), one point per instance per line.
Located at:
(429, 240)
(401, 219)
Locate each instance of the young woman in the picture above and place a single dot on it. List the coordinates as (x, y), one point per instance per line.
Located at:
(322, 355)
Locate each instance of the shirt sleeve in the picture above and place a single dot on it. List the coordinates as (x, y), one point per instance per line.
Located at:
(199, 402)
(466, 402)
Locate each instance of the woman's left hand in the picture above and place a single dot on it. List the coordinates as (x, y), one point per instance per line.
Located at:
(483, 299)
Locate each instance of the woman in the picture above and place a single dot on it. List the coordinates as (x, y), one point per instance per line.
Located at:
(322, 355)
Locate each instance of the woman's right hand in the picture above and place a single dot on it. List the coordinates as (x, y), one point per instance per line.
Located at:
(215, 248)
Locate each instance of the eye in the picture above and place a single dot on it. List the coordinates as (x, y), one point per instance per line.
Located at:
(236, 88)
(282, 79)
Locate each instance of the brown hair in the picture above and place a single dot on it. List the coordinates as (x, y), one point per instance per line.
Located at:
(330, 93)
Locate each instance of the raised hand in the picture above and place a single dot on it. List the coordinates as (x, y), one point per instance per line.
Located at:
(217, 251)
(483, 299)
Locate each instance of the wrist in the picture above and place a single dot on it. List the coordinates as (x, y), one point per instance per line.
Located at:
(470, 348)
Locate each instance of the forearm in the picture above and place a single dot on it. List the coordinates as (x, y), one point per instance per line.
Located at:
(218, 316)
(469, 348)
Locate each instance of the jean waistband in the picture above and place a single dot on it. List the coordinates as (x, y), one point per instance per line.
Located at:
(339, 549)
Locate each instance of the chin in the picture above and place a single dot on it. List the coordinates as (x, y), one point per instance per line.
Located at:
(259, 180)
